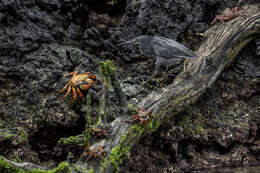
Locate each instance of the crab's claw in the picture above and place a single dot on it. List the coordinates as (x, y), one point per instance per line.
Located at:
(93, 77)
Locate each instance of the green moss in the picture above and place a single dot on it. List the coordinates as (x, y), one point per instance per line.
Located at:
(87, 134)
(111, 69)
(118, 153)
(7, 136)
(103, 164)
(153, 125)
(198, 129)
(62, 167)
(137, 130)
(22, 137)
(90, 171)
(79, 140)
(76, 168)
(107, 69)
(8, 168)
(14, 158)
(132, 110)
(15, 135)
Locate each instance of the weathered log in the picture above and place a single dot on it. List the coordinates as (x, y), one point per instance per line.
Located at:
(223, 44)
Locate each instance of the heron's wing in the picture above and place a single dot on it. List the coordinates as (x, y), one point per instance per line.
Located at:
(169, 48)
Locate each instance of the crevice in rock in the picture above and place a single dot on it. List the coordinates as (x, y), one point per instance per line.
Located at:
(45, 141)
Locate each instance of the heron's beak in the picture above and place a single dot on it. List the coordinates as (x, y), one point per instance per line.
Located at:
(126, 42)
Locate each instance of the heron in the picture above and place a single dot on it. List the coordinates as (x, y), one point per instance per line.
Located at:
(164, 50)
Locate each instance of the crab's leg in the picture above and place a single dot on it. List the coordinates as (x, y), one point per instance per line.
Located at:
(67, 93)
(214, 21)
(89, 156)
(74, 73)
(80, 94)
(237, 10)
(105, 134)
(61, 91)
(74, 93)
(131, 120)
(141, 122)
(222, 18)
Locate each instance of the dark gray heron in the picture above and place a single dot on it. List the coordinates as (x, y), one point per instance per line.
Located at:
(165, 50)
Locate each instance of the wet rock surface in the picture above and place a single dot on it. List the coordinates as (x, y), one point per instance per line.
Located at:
(42, 40)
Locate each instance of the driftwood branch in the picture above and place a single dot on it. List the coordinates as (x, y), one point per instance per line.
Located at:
(218, 51)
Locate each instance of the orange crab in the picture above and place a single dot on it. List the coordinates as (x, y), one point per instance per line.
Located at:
(143, 116)
(77, 83)
(228, 14)
(98, 132)
(97, 153)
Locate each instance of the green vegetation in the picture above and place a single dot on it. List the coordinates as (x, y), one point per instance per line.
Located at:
(79, 140)
(14, 158)
(132, 110)
(7, 135)
(153, 123)
(15, 135)
(90, 171)
(9, 168)
(118, 153)
(87, 135)
(103, 164)
(106, 70)
(137, 130)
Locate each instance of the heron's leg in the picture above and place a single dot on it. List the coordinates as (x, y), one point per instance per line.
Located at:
(158, 64)
(157, 69)
(156, 73)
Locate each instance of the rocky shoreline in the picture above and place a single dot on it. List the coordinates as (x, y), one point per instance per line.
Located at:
(42, 40)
